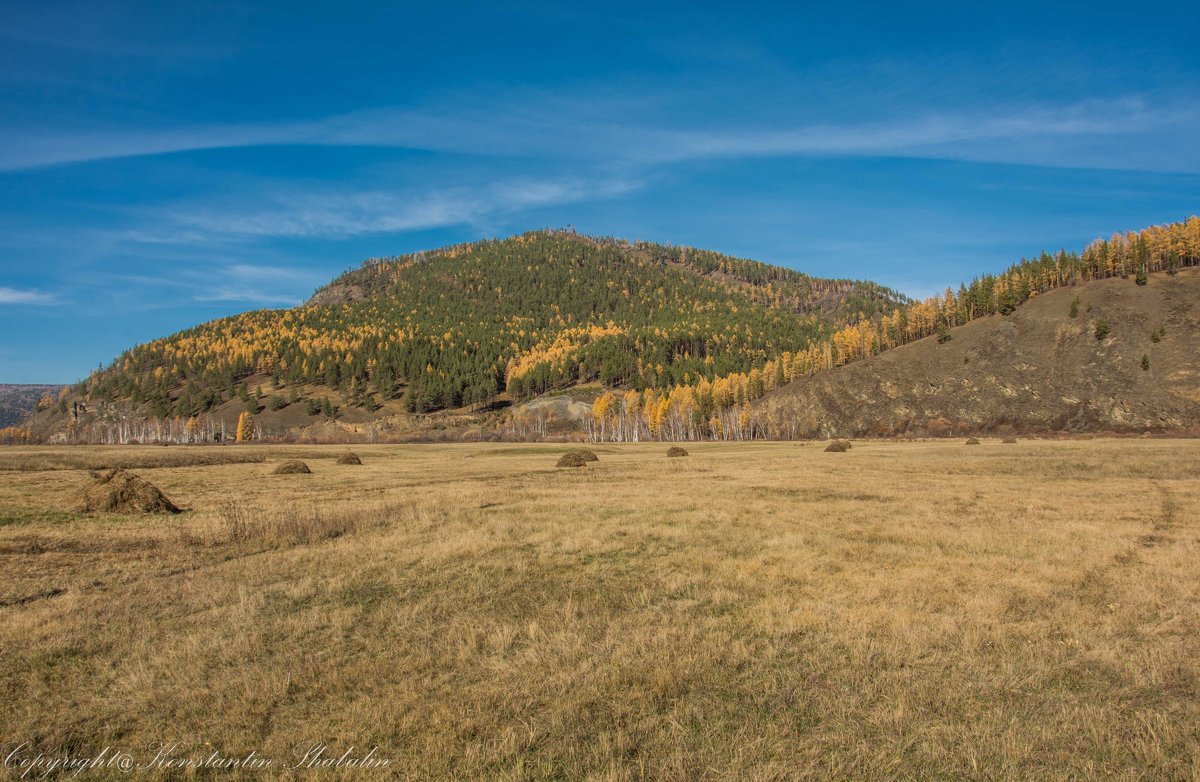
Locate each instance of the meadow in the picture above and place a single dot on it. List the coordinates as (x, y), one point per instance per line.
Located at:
(753, 611)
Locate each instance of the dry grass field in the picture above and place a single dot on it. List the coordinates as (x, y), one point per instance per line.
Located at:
(750, 612)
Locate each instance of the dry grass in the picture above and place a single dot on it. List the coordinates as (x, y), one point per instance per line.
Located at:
(83, 458)
(757, 611)
(120, 491)
(290, 526)
(572, 459)
(291, 467)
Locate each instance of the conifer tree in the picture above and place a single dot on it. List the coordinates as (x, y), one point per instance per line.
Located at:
(245, 427)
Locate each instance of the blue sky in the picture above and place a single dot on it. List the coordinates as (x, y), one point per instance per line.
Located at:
(162, 164)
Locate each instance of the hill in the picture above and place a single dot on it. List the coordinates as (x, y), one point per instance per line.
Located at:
(17, 401)
(475, 326)
(616, 340)
(725, 408)
(1125, 361)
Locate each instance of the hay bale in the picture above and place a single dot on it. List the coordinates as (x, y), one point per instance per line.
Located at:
(1009, 440)
(349, 458)
(675, 450)
(972, 441)
(572, 459)
(120, 491)
(838, 446)
(588, 456)
(292, 467)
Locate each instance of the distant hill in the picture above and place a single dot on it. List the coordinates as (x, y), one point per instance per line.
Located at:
(1127, 361)
(18, 401)
(482, 324)
(551, 333)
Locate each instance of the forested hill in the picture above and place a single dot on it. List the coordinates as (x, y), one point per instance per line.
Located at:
(519, 316)
(774, 286)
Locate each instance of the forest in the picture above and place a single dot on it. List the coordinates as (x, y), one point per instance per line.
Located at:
(682, 339)
(525, 315)
(718, 408)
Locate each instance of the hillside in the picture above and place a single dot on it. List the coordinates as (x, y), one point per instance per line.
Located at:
(555, 334)
(474, 326)
(1036, 370)
(17, 401)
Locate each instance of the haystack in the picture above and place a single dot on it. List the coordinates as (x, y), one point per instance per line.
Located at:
(572, 459)
(349, 458)
(675, 450)
(588, 456)
(120, 491)
(972, 441)
(292, 467)
(838, 446)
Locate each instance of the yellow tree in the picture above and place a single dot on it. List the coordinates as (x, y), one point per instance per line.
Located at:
(631, 414)
(602, 408)
(245, 427)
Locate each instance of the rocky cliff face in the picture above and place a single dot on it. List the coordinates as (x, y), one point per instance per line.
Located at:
(1129, 361)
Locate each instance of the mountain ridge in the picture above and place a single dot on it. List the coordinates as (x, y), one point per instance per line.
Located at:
(484, 323)
(678, 343)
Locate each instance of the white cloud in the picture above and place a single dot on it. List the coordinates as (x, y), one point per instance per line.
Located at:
(340, 214)
(260, 297)
(947, 134)
(262, 285)
(551, 126)
(17, 296)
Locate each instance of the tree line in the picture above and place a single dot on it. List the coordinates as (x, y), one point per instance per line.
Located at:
(720, 408)
(525, 315)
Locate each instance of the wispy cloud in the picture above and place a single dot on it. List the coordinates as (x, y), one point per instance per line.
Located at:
(17, 296)
(254, 284)
(556, 127)
(341, 214)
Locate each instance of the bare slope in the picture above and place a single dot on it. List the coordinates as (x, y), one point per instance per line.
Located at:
(1037, 370)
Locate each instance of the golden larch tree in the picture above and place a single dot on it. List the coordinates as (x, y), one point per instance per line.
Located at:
(245, 427)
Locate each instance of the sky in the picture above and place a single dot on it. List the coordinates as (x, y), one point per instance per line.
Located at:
(164, 164)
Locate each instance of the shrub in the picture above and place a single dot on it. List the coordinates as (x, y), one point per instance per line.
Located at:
(1102, 329)
(277, 402)
(1075, 307)
(1145, 362)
